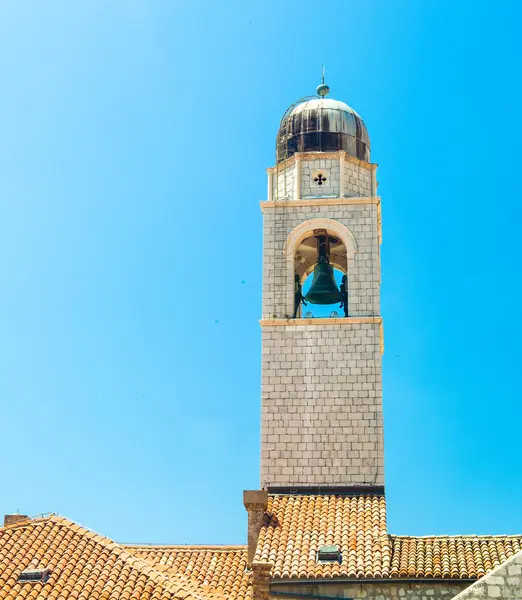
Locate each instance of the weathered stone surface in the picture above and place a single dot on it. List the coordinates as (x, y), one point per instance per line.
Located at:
(256, 502)
(369, 590)
(321, 417)
(363, 268)
(341, 177)
(321, 384)
(502, 582)
(261, 580)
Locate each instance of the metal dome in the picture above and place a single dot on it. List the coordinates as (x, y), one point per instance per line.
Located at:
(322, 125)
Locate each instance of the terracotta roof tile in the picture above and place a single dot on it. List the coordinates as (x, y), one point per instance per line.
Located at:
(83, 566)
(87, 566)
(223, 568)
(450, 557)
(298, 525)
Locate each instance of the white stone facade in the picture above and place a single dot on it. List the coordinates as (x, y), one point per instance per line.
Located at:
(345, 177)
(309, 171)
(374, 590)
(503, 582)
(321, 378)
(283, 182)
(361, 219)
(358, 180)
(321, 420)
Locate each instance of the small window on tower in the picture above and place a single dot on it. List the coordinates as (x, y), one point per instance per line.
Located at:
(320, 177)
(329, 554)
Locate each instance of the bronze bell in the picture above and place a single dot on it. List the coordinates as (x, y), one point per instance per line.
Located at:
(323, 290)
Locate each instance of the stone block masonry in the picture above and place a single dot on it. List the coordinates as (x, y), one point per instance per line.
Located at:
(321, 421)
(344, 177)
(256, 502)
(358, 181)
(284, 182)
(310, 168)
(369, 590)
(363, 269)
(503, 582)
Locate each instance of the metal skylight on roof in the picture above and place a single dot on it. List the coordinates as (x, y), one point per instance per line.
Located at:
(329, 554)
(34, 575)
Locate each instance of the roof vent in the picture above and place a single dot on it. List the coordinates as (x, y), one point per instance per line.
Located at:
(329, 554)
(34, 575)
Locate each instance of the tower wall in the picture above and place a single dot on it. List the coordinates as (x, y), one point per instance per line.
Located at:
(346, 177)
(361, 219)
(321, 419)
(321, 422)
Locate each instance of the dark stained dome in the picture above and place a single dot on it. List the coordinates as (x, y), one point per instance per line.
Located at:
(322, 125)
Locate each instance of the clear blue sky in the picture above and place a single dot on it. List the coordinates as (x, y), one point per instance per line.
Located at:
(134, 140)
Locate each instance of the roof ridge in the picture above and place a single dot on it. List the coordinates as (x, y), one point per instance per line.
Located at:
(170, 581)
(214, 547)
(323, 495)
(456, 536)
(44, 518)
(31, 521)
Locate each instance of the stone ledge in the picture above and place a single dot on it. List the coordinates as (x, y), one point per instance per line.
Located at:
(320, 321)
(322, 155)
(266, 204)
(255, 498)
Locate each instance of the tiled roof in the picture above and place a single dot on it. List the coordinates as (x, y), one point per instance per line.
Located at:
(84, 566)
(299, 524)
(87, 566)
(223, 568)
(450, 557)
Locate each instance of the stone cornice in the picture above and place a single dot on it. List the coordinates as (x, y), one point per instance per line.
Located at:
(266, 204)
(321, 321)
(322, 155)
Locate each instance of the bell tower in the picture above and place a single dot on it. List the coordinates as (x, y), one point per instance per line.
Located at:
(321, 417)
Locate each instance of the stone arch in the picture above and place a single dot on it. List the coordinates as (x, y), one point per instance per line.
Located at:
(334, 264)
(301, 232)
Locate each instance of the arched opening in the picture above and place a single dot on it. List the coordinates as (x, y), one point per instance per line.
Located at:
(301, 251)
(320, 275)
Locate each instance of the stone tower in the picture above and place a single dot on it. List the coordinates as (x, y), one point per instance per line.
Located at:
(321, 424)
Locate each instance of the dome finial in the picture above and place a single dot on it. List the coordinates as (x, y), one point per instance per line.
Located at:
(323, 89)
